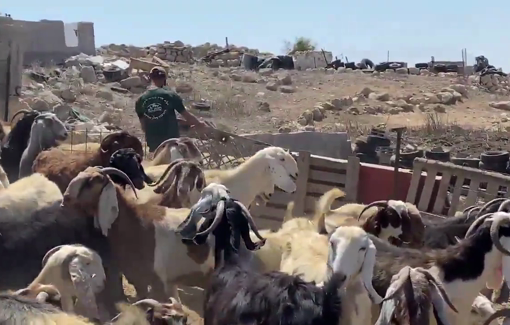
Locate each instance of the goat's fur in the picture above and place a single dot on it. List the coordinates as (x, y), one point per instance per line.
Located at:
(269, 167)
(173, 149)
(62, 166)
(410, 296)
(130, 163)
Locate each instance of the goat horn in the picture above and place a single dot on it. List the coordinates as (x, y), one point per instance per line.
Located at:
(220, 209)
(490, 204)
(382, 204)
(500, 313)
(250, 220)
(398, 284)
(167, 170)
(112, 170)
(174, 141)
(439, 287)
(24, 111)
(504, 205)
(496, 224)
(42, 297)
(477, 224)
(473, 210)
(106, 138)
(469, 208)
(144, 304)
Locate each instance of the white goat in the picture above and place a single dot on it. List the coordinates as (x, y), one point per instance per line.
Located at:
(77, 272)
(351, 252)
(269, 167)
(46, 130)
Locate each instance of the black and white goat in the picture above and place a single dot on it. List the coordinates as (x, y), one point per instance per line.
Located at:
(237, 295)
(464, 269)
(130, 162)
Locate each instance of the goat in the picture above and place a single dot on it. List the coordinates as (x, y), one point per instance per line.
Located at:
(46, 130)
(350, 252)
(417, 289)
(16, 143)
(269, 167)
(173, 149)
(77, 272)
(463, 268)
(61, 167)
(4, 180)
(130, 163)
(238, 295)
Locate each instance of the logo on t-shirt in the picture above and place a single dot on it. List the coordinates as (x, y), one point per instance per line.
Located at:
(154, 107)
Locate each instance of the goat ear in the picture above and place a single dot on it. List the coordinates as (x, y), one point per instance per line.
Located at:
(367, 272)
(81, 278)
(107, 208)
(387, 311)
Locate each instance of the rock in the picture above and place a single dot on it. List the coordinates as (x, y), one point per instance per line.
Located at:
(317, 114)
(380, 96)
(353, 110)
(286, 80)
(272, 86)
(504, 105)
(119, 89)
(45, 101)
(263, 106)
(461, 89)
(401, 71)
(414, 71)
(343, 102)
(88, 74)
(326, 106)
(131, 82)
(68, 95)
(446, 98)
(63, 111)
(105, 118)
(431, 98)
(284, 129)
(366, 91)
(306, 118)
(103, 94)
(182, 87)
(266, 72)
(309, 128)
(39, 105)
(287, 89)
(236, 77)
(249, 78)
(438, 108)
(395, 110)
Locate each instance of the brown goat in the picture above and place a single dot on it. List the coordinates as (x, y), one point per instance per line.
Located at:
(146, 260)
(46, 293)
(171, 149)
(61, 166)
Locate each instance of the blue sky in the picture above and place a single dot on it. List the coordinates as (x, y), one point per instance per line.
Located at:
(358, 29)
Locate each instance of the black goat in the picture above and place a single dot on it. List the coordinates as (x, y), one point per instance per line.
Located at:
(239, 296)
(16, 143)
(130, 162)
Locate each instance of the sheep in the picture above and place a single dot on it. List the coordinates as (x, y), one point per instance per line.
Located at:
(173, 149)
(307, 255)
(418, 290)
(61, 167)
(16, 143)
(46, 130)
(77, 272)
(237, 294)
(269, 167)
(463, 268)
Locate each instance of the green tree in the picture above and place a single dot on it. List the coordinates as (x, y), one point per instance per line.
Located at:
(300, 44)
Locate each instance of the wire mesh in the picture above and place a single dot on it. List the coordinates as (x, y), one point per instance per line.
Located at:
(221, 150)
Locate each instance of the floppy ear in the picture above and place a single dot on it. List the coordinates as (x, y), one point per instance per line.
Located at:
(108, 208)
(367, 272)
(82, 281)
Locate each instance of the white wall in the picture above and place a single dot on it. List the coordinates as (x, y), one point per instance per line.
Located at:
(311, 59)
(70, 34)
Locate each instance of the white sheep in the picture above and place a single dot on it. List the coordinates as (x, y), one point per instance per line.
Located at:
(77, 273)
(269, 167)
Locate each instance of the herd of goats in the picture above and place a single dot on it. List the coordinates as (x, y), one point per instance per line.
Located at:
(74, 223)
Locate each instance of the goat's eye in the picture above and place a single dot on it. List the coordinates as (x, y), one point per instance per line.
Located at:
(362, 249)
(282, 159)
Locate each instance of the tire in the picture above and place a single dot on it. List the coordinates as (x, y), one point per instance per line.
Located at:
(381, 67)
(394, 65)
(452, 68)
(422, 65)
(466, 162)
(365, 63)
(494, 157)
(438, 155)
(367, 158)
(378, 141)
(350, 65)
(439, 68)
(494, 168)
(411, 155)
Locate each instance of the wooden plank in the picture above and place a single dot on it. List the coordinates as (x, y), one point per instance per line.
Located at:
(351, 183)
(327, 162)
(329, 177)
(442, 192)
(428, 188)
(415, 183)
(321, 188)
(456, 194)
(280, 197)
(492, 190)
(472, 196)
(303, 162)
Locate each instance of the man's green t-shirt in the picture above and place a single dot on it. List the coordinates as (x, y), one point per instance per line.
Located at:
(157, 106)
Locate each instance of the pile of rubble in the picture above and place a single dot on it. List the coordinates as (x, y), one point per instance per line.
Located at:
(494, 83)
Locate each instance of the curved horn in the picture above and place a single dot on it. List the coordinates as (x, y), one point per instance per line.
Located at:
(167, 170)
(174, 171)
(42, 297)
(106, 138)
(500, 313)
(489, 205)
(439, 287)
(144, 304)
(250, 220)
(473, 210)
(397, 285)
(382, 204)
(24, 111)
(220, 209)
(469, 208)
(474, 226)
(49, 253)
(112, 170)
(504, 205)
(494, 231)
(174, 141)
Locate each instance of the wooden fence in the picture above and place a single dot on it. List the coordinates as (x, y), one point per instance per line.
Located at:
(317, 175)
(466, 186)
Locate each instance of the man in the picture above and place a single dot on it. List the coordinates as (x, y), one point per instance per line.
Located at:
(156, 111)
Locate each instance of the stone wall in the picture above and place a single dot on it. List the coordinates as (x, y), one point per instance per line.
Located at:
(173, 52)
(50, 41)
(311, 59)
(230, 59)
